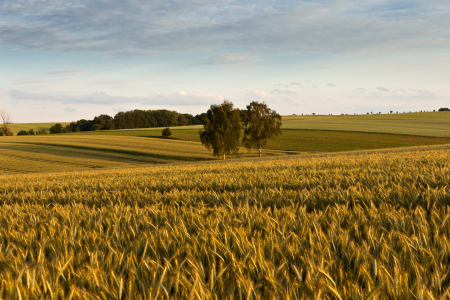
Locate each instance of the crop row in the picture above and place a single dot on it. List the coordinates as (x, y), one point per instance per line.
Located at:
(343, 227)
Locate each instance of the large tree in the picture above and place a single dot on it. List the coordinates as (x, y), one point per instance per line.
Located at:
(6, 120)
(260, 123)
(222, 129)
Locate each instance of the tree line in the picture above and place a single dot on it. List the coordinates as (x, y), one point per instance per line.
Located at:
(131, 119)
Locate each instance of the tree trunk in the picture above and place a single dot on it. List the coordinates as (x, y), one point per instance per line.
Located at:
(259, 149)
(223, 155)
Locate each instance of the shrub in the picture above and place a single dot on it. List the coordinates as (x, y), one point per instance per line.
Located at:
(31, 132)
(6, 132)
(166, 133)
(57, 128)
(67, 129)
(23, 132)
(44, 131)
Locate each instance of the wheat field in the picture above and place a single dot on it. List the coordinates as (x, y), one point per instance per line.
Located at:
(369, 226)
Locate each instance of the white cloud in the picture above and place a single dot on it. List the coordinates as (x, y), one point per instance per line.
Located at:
(180, 98)
(257, 94)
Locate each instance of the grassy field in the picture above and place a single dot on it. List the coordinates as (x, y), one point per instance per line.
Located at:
(337, 227)
(424, 124)
(15, 128)
(64, 152)
(25, 158)
(307, 140)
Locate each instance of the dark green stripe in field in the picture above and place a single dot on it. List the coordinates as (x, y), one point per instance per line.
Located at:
(310, 140)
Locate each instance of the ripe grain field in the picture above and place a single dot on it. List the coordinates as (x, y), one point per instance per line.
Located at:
(336, 227)
(65, 152)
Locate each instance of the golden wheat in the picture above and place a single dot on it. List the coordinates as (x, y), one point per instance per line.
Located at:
(341, 227)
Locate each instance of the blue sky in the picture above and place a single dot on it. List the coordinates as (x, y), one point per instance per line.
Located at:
(66, 60)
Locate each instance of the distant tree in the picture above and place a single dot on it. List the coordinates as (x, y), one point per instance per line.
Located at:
(31, 131)
(96, 127)
(6, 120)
(201, 118)
(73, 126)
(109, 125)
(182, 120)
(57, 128)
(166, 132)
(23, 132)
(444, 109)
(43, 131)
(67, 129)
(222, 129)
(260, 123)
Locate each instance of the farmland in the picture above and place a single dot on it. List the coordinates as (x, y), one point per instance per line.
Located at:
(126, 214)
(47, 153)
(307, 140)
(16, 127)
(331, 227)
(422, 124)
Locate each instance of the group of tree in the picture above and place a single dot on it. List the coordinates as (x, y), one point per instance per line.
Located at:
(223, 126)
(444, 109)
(6, 120)
(132, 119)
(32, 132)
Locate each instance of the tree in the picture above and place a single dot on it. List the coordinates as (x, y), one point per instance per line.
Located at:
(57, 128)
(6, 120)
(166, 133)
(67, 129)
(261, 123)
(23, 132)
(222, 129)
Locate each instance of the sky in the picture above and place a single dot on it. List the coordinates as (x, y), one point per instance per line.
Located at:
(64, 60)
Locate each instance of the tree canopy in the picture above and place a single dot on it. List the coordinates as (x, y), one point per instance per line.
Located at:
(260, 123)
(6, 119)
(222, 129)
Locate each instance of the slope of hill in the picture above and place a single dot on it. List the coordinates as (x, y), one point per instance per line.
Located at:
(292, 228)
(435, 124)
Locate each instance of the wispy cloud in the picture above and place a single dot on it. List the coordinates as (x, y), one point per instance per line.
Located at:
(383, 89)
(137, 28)
(289, 92)
(63, 72)
(179, 98)
(225, 59)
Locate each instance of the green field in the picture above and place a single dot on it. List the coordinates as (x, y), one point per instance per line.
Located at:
(128, 148)
(334, 227)
(307, 140)
(422, 124)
